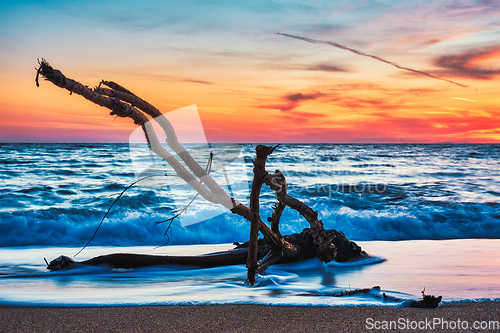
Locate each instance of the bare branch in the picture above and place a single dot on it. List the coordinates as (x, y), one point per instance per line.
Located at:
(315, 241)
(324, 246)
(279, 207)
(122, 109)
(172, 141)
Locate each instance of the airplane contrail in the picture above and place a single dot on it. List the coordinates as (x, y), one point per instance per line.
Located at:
(316, 41)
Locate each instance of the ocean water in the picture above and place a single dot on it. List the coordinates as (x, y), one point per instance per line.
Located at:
(429, 214)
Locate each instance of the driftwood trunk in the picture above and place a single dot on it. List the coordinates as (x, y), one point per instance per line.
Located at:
(239, 255)
(314, 241)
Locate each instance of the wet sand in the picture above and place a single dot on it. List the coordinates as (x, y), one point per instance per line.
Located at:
(246, 318)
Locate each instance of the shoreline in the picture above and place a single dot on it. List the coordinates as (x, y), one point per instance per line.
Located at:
(245, 318)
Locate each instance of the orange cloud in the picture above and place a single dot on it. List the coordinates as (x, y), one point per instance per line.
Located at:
(467, 64)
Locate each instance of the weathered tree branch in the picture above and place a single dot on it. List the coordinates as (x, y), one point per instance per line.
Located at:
(125, 95)
(279, 207)
(325, 247)
(259, 172)
(313, 241)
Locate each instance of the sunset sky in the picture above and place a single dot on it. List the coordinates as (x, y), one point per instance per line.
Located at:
(250, 83)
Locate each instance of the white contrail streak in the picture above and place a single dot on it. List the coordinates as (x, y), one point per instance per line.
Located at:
(316, 41)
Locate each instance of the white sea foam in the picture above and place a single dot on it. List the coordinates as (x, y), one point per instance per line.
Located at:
(459, 270)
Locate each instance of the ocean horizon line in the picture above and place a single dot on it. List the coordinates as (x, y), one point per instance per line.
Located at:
(272, 143)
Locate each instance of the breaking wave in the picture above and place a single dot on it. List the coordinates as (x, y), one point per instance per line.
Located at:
(56, 194)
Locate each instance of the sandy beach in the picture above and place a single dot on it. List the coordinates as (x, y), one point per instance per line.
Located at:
(248, 318)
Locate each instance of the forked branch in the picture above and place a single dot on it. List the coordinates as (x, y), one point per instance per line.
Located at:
(124, 103)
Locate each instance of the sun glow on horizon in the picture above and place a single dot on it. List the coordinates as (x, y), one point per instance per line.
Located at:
(250, 84)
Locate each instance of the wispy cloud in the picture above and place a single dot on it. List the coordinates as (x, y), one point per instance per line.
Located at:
(467, 64)
(333, 97)
(301, 97)
(198, 81)
(326, 68)
(316, 41)
(291, 101)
